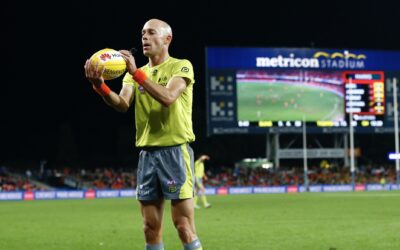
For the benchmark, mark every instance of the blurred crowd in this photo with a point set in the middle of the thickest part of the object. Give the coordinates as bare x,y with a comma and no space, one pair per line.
240,176
13,182
119,178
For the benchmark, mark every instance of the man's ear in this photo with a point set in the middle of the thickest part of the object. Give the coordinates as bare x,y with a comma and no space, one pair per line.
168,39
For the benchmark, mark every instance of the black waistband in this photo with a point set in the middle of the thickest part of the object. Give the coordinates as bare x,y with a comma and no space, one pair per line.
155,148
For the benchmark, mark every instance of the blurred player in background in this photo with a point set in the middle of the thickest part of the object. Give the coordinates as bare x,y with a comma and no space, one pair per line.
162,92
200,175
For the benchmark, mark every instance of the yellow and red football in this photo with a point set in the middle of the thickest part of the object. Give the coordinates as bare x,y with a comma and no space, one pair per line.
111,60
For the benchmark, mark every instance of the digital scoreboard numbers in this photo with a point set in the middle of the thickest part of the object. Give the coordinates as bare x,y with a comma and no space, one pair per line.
365,96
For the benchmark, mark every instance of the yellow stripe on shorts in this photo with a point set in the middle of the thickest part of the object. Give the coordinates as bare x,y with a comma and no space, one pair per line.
187,187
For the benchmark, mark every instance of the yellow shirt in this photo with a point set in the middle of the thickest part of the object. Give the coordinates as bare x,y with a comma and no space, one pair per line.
157,125
199,169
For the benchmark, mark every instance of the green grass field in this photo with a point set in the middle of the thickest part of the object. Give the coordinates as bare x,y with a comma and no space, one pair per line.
331,221
283,102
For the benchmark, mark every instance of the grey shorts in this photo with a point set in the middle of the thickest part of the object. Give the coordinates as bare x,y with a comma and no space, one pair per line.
165,172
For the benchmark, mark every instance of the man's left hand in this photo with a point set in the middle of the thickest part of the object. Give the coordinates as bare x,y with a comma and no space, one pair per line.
130,61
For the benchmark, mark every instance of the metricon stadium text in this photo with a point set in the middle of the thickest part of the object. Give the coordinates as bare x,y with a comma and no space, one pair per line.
301,62
287,62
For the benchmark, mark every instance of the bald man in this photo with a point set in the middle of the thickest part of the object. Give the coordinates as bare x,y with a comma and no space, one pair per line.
162,92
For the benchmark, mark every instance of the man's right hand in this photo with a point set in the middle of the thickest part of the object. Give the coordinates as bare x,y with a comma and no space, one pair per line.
94,73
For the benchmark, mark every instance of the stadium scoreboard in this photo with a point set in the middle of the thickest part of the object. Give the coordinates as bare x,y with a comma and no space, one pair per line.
269,90
364,92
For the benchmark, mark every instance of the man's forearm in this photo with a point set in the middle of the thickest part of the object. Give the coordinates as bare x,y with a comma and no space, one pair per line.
160,93
116,102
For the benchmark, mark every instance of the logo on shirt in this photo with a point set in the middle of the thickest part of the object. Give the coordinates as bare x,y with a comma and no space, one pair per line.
163,81
141,89
171,186
185,69
154,72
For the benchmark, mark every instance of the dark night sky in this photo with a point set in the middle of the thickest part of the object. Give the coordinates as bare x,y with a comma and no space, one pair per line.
49,111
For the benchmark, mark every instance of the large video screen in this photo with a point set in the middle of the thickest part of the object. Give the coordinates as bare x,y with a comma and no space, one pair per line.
289,95
260,90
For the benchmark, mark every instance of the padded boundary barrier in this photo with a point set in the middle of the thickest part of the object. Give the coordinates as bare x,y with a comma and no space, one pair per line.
121,193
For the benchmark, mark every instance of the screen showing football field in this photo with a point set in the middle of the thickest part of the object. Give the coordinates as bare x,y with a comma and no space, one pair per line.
289,96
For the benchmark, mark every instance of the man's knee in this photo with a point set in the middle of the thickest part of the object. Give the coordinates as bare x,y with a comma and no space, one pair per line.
182,226
185,230
152,231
